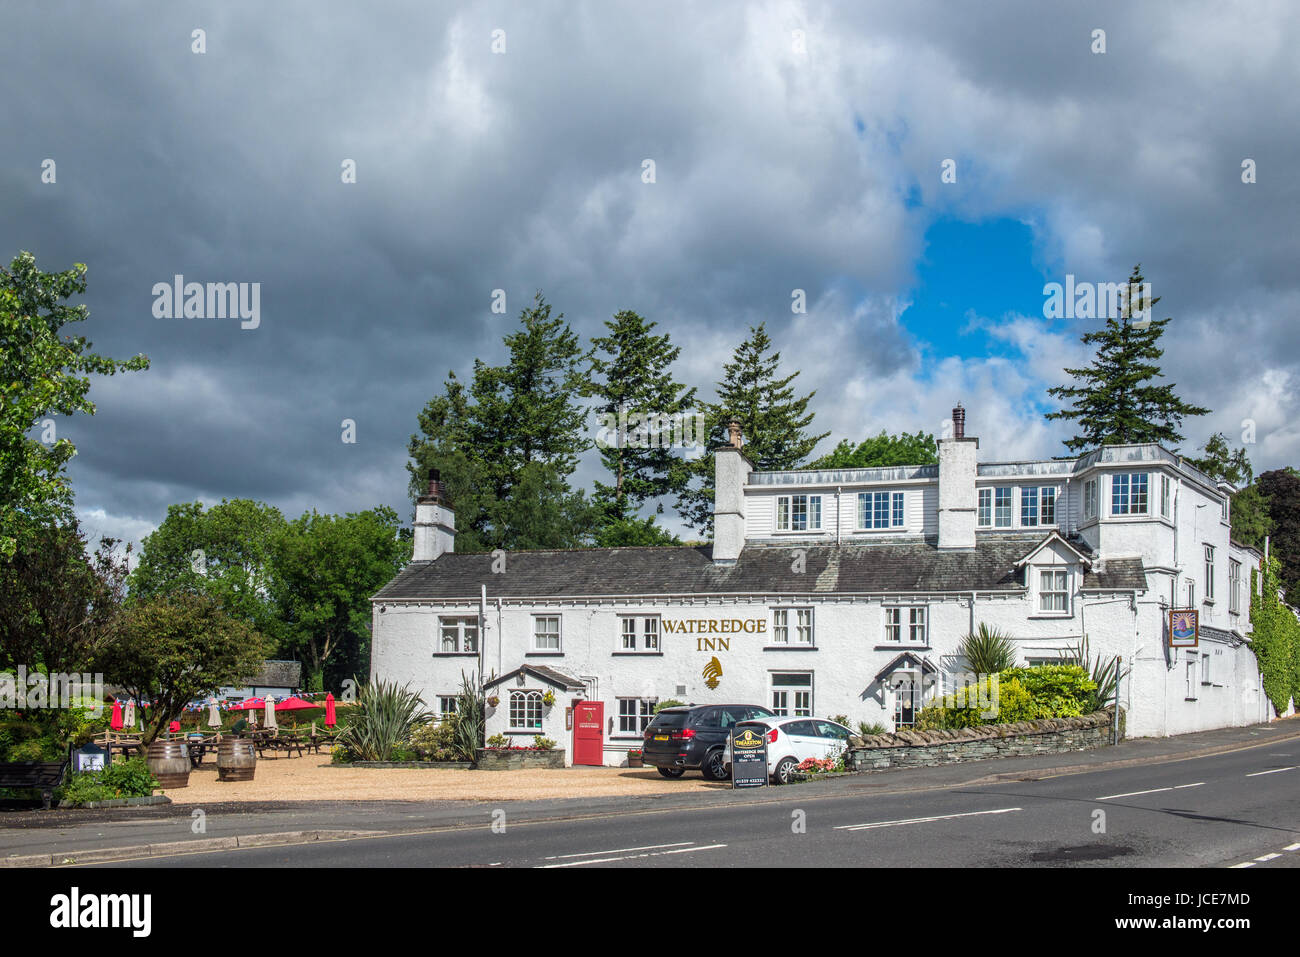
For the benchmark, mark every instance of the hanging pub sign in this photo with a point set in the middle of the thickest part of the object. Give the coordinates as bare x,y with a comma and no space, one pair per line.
748,758
1184,628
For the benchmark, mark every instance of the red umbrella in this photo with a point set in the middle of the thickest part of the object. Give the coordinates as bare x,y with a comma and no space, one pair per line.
249,704
116,721
330,718
293,703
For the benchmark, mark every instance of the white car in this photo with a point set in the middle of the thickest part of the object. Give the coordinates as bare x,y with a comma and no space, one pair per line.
791,741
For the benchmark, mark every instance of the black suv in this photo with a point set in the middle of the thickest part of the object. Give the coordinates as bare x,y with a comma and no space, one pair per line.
682,739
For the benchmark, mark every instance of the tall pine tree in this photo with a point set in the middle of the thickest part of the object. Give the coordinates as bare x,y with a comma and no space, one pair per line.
507,445
1114,400
772,419
631,383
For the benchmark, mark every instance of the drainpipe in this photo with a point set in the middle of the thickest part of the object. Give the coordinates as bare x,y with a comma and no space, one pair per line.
482,634
839,504
1114,735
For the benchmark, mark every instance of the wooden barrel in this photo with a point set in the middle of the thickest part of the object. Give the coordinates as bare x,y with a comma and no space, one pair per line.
236,759
169,762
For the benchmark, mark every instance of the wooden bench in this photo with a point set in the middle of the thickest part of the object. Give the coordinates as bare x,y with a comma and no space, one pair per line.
43,776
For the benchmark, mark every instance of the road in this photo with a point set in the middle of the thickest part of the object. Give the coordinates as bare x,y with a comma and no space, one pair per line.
1236,809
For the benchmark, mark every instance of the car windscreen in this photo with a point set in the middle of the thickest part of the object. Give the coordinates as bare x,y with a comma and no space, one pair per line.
670,719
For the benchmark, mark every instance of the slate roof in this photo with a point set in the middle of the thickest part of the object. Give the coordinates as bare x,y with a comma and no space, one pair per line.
277,674
549,675
890,568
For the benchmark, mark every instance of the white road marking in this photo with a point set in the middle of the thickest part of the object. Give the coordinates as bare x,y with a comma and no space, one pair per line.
1176,787
1292,847
617,850
1267,857
631,857
921,820
1270,771
1247,864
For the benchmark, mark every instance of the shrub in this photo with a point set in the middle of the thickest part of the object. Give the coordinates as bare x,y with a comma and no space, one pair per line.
543,744
1058,691
126,779
435,741
875,727
1105,674
668,703
383,716
988,651
498,741
468,720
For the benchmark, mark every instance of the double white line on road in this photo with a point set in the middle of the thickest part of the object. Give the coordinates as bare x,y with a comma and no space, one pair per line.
921,820
628,853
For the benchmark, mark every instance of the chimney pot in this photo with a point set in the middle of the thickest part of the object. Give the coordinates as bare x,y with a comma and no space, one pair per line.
958,422
733,434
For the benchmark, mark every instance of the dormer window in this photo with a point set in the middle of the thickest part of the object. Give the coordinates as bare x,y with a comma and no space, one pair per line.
994,508
1037,506
798,513
1053,591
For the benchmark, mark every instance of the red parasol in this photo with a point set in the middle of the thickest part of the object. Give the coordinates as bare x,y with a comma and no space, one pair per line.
249,704
330,718
293,703
116,721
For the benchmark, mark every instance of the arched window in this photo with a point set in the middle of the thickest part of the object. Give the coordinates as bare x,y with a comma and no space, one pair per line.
525,711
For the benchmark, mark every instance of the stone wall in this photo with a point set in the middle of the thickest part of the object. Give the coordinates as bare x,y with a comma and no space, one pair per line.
913,749
498,759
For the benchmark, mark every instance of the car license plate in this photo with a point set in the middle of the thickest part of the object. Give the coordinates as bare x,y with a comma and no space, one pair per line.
661,737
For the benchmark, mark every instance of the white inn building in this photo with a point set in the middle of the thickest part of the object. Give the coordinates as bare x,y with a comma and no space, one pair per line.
842,592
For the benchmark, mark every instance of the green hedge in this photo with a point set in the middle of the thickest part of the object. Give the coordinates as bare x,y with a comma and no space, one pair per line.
1023,694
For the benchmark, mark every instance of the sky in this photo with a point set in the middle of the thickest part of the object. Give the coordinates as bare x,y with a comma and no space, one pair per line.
503,146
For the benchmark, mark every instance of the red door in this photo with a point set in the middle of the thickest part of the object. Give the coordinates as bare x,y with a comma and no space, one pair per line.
589,733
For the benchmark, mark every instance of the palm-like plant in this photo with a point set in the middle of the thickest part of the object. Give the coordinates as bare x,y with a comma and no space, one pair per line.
383,717
988,651
469,719
1105,672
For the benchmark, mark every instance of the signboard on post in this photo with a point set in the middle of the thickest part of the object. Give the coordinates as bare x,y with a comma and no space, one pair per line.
748,758
1184,628
90,758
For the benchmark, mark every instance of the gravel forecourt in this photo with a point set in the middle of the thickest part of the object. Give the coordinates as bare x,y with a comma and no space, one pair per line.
311,778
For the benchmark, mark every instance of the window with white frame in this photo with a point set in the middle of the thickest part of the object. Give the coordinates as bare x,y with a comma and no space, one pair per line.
635,714
880,510
458,635
1054,591
1209,573
1225,508
792,623
1090,498
1128,493
792,693
446,705
546,633
905,625
1234,586
1029,506
1205,670
1037,506
1166,491
525,711
798,513
994,507
1002,508
780,626
639,633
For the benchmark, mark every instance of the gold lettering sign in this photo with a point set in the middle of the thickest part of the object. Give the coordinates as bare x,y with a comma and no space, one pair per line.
716,626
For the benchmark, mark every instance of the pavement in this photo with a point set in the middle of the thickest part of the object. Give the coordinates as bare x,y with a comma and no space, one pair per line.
1237,785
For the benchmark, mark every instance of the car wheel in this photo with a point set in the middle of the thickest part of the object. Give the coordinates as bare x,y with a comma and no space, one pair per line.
713,768
784,770
671,772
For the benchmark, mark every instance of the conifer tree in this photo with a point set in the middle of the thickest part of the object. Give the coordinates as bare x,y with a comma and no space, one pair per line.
637,394
772,420
1115,400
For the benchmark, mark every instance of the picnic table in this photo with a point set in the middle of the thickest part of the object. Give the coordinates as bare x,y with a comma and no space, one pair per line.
127,745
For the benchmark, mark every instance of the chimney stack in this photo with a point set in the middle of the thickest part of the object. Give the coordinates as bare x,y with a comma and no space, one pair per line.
957,469
435,522
730,471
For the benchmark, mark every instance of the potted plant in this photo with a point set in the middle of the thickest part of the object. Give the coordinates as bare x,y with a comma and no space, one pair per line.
493,701
634,758
548,698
